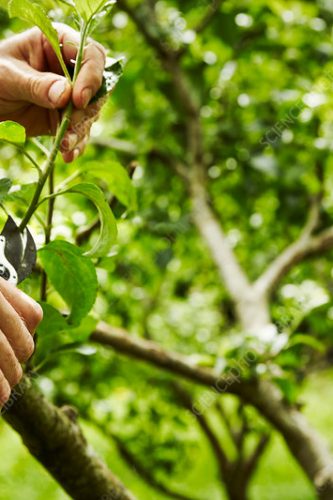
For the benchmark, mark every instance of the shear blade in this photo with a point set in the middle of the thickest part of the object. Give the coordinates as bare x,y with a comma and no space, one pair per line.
20,249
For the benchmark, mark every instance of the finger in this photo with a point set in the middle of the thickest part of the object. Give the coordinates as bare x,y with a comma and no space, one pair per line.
15,330
90,77
9,364
70,156
77,130
80,126
82,120
5,390
26,308
44,89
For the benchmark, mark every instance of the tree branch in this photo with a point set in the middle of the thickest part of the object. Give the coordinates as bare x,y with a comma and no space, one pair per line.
305,246
144,473
209,227
212,233
57,442
251,463
208,16
151,352
227,424
119,145
305,444
221,457
143,18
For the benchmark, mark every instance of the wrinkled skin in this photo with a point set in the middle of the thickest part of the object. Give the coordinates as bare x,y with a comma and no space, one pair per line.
34,93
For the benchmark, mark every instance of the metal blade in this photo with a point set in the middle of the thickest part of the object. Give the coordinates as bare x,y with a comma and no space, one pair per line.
20,249
29,258
14,243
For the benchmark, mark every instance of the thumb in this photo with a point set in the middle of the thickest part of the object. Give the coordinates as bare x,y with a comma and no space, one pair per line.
47,90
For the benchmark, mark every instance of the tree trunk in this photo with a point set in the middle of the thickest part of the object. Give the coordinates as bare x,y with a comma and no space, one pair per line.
236,491
57,442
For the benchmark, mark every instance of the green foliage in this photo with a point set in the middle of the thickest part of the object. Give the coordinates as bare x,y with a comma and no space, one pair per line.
5,185
34,15
112,74
73,276
312,342
87,9
56,333
12,132
116,179
250,69
108,232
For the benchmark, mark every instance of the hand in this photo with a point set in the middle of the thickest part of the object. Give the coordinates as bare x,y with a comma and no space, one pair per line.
33,91
19,318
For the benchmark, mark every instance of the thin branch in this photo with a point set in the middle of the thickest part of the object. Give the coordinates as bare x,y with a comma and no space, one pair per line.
144,473
175,164
208,17
251,464
241,434
305,246
221,457
115,144
225,420
145,25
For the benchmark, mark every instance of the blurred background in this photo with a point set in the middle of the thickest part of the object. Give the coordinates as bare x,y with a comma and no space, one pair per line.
262,74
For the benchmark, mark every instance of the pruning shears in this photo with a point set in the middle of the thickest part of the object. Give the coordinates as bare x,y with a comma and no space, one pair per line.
18,253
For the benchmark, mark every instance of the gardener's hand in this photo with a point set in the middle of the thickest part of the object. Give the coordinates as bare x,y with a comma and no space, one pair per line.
19,318
33,91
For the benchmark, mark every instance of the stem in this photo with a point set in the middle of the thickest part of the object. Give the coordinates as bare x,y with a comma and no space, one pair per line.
26,154
49,167
40,146
48,231
32,160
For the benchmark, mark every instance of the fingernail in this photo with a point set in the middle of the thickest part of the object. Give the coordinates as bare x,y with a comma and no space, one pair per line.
76,154
86,96
72,140
57,90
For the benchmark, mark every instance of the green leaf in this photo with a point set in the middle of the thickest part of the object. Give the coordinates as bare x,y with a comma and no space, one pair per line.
50,336
114,70
21,194
54,332
73,276
5,185
82,332
87,9
301,339
52,323
288,388
12,132
108,232
34,15
117,179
